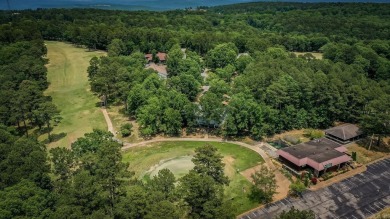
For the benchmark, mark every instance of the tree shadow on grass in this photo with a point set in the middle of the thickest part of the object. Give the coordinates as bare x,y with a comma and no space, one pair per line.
55,137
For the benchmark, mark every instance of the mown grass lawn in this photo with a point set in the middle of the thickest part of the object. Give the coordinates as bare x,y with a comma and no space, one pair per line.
236,158
70,90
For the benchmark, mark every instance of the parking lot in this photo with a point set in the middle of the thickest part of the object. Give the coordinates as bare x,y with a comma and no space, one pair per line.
357,197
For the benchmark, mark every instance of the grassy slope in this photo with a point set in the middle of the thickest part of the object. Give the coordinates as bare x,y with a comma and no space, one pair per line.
142,158
67,74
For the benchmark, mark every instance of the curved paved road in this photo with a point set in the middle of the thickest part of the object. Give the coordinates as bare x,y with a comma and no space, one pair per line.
127,145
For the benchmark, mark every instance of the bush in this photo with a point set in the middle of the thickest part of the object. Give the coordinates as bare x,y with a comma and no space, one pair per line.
297,188
314,180
327,176
314,134
125,132
126,129
292,139
296,214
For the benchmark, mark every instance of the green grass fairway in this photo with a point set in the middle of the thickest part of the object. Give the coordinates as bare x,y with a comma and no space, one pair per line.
69,87
144,161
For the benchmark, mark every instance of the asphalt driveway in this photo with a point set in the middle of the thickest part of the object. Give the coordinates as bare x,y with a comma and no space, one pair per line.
357,197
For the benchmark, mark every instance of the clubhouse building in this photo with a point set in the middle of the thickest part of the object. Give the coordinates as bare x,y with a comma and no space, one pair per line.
321,155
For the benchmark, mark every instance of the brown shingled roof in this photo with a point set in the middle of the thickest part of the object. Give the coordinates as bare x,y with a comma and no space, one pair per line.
161,56
314,147
149,57
344,132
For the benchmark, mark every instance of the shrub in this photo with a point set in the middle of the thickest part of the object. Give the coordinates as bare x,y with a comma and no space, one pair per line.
125,132
314,134
292,139
126,129
297,188
327,176
314,180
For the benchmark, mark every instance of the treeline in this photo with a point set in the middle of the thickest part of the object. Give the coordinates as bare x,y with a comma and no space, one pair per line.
252,27
213,39
23,79
91,181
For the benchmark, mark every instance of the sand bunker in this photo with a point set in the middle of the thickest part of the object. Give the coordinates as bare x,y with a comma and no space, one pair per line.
179,166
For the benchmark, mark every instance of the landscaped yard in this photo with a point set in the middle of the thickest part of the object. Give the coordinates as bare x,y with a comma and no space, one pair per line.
169,154
69,88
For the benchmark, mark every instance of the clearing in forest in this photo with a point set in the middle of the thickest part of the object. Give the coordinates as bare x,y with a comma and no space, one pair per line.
70,90
145,161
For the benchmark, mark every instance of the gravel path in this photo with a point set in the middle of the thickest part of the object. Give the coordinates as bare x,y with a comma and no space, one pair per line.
110,127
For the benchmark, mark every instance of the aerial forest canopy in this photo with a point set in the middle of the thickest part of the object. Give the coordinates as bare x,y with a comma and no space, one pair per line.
257,86
262,79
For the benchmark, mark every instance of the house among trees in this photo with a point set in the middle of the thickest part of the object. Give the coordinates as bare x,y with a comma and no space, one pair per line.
324,154
149,57
162,56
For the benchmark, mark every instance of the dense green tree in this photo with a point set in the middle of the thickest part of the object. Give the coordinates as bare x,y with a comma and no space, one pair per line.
48,113
174,56
116,48
296,214
376,120
172,121
164,182
162,209
90,142
222,55
63,162
225,73
264,185
185,84
16,163
202,194
25,200
211,109
208,162
242,61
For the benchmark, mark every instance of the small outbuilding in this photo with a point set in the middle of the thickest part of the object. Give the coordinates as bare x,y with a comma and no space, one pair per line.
344,133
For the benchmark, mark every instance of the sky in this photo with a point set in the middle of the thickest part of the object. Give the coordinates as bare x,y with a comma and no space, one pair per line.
136,4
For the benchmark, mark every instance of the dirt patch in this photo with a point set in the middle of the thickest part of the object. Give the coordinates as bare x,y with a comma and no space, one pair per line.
365,156
158,67
229,167
179,166
248,172
283,186
281,181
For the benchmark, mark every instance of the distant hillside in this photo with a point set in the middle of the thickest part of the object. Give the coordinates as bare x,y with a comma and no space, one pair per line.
132,5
